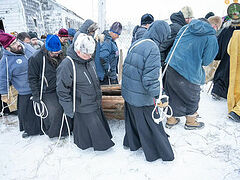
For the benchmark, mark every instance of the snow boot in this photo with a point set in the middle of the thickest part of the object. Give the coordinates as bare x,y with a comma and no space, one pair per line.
172,121
192,124
25,135
233,116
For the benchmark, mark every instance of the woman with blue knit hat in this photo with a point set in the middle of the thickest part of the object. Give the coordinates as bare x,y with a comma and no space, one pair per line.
109,55
42,68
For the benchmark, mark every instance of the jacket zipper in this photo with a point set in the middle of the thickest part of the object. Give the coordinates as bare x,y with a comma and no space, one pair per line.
87,77
95,72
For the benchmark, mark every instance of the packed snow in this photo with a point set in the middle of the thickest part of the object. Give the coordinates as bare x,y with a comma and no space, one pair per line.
211,153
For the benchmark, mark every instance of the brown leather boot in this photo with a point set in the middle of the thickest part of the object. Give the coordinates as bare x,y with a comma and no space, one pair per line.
191,123
172,121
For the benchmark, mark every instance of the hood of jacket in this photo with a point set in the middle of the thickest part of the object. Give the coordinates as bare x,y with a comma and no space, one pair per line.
158,32
199,28
83,28
178,18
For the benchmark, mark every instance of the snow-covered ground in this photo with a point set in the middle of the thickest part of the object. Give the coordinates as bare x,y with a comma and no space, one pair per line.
212,153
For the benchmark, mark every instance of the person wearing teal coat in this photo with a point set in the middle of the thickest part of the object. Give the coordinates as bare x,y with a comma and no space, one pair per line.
197,47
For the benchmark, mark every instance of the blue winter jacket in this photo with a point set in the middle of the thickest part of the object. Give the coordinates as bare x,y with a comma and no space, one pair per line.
17,70
98,64
197,47
141,67
109,56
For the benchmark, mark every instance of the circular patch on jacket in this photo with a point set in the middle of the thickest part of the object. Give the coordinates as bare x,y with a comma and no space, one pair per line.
19,61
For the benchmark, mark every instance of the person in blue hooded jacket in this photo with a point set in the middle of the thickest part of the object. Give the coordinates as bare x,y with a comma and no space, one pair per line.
14,70
197,47
109,55
140,85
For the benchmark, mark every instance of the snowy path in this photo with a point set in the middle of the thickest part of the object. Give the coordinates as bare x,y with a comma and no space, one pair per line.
212,153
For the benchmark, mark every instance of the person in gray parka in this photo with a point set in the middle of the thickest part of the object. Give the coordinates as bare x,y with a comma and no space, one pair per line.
90,127
140,86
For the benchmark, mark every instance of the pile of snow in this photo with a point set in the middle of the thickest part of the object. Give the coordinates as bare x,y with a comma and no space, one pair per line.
211,153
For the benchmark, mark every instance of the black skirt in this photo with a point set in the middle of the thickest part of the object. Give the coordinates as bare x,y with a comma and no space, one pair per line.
92,130
28,121
142,131
184,96
52,123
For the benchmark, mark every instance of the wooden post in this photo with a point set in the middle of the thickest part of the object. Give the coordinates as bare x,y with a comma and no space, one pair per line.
120,64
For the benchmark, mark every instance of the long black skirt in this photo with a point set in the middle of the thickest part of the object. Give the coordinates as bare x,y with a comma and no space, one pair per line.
142,131
28,121
184,96
92,130
53,122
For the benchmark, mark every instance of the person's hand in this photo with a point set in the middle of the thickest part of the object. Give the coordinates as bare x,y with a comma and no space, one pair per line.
163,102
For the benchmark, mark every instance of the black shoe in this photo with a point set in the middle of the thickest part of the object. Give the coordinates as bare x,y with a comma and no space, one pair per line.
215,96
6,114
14,113
233,116
25,135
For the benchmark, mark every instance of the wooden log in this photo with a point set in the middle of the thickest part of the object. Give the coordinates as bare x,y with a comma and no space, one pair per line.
113,107
111,89
112,102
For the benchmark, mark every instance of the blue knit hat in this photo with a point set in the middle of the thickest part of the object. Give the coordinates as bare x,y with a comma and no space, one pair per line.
53,43
71,32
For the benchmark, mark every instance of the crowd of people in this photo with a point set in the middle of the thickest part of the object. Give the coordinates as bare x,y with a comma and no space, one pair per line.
60,75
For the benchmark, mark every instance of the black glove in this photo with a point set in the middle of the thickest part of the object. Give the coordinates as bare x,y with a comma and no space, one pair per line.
35,99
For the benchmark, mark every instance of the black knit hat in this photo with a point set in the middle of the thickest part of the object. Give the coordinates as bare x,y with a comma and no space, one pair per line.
208,15
147,19
33,34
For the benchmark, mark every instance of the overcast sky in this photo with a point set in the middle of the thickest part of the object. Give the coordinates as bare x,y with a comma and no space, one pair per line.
132,10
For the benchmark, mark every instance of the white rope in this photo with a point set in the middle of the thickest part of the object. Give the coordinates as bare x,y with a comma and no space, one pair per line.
8,89
173,51
40,109
7,77
163,111
4,107
64,117
74,83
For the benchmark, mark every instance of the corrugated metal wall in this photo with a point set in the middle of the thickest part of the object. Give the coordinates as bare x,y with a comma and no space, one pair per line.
41,16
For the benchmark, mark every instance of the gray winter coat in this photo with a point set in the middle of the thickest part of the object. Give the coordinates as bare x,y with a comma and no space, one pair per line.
142,65
88,92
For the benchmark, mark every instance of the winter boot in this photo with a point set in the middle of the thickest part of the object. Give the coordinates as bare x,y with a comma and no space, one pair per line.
192,124
233,116
172,121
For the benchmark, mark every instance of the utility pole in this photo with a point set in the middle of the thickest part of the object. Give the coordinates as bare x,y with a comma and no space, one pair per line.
102,15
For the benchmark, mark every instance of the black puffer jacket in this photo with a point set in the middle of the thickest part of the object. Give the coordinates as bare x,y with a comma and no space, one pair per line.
178,22
35,65
88,92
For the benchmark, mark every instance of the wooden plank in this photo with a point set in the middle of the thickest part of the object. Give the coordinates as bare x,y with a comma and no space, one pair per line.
120,64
